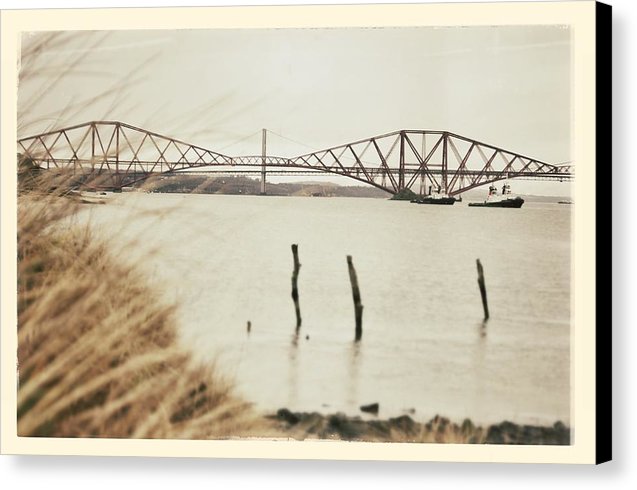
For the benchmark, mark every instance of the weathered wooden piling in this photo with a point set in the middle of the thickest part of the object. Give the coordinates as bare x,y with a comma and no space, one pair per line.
295,289
358,306
483,289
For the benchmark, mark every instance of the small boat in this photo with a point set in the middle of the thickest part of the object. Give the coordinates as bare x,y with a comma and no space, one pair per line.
436,198
88,197
504,200
565,202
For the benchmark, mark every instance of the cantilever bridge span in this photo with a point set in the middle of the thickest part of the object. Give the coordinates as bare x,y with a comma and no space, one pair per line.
119,154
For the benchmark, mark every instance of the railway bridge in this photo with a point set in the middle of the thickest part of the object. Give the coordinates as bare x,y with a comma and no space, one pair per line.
113,154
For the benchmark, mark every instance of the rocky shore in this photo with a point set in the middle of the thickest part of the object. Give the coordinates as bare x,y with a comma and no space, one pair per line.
304,425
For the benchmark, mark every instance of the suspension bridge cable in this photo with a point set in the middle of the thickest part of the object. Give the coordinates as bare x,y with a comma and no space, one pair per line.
239,140
316,150
291,140
343,156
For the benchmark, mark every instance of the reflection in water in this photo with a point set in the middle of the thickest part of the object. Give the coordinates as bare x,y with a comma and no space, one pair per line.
293,372
483,329
353,375
478,366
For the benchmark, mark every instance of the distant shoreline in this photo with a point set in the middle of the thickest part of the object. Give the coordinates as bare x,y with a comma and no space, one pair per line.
241,185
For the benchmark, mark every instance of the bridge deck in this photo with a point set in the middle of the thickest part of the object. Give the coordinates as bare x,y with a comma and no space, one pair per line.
392,161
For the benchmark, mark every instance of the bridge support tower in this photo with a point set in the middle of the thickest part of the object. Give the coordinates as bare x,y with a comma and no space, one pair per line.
263,157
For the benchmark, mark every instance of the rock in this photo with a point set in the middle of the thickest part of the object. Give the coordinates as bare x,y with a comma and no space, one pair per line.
312,423
287,416
473,440
510,433
371,408
559,426
344,427
531,435
442,424
467,427
380,428
562,433
404,423
494,435
341,426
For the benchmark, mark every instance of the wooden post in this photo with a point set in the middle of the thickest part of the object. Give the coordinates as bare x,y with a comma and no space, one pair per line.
358,307
295,290
483,290
249,326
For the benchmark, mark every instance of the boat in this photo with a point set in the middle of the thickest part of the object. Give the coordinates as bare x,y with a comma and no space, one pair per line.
89,197
565,202
504,200
435,198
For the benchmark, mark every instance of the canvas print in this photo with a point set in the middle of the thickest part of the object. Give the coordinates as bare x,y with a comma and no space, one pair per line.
296,234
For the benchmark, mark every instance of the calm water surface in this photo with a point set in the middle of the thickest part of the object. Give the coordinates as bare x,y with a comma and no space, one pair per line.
227,260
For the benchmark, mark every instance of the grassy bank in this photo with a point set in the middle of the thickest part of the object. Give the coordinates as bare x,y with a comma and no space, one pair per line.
98,352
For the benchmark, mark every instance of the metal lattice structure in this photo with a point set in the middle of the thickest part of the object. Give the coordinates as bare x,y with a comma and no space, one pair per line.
123,154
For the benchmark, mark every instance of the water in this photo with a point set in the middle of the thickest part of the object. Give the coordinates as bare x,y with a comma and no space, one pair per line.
227,260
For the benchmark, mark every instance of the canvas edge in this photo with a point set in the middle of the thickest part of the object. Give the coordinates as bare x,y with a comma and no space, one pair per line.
603,231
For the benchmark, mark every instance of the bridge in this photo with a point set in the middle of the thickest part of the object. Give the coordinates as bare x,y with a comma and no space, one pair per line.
118,154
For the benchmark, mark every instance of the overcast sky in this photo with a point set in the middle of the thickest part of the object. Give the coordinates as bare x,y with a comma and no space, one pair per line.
508,86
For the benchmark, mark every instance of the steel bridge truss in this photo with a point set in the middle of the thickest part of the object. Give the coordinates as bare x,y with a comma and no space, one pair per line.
433,160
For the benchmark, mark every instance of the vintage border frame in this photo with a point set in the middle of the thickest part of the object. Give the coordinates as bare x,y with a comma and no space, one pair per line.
588,357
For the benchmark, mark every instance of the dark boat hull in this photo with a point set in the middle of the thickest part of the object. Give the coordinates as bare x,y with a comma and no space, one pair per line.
439,200
506,203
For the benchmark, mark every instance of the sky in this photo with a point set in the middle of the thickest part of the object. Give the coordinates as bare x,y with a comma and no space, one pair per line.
311,88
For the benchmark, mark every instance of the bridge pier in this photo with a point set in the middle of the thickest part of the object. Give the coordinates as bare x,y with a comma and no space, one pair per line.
263,157
423,187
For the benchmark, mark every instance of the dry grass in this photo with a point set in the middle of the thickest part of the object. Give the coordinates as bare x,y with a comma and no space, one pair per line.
98,352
